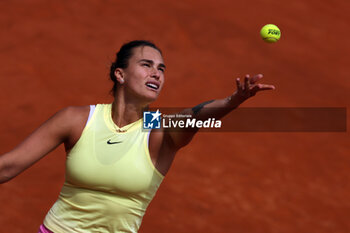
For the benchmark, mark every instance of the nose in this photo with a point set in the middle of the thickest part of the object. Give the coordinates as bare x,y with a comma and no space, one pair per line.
155,73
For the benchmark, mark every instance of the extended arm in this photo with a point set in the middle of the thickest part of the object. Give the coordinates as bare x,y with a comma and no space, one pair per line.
47,137
219,108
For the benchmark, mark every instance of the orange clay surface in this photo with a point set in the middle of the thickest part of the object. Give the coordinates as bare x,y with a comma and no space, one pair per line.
57,53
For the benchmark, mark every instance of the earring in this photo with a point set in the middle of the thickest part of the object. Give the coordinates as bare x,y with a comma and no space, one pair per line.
121,80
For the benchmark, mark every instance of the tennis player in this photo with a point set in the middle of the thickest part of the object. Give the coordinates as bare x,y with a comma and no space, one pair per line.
113,167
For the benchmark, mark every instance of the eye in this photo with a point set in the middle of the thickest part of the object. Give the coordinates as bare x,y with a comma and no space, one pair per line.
146,65
161,69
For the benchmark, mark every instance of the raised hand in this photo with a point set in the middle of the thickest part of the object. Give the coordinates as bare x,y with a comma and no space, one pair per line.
250,87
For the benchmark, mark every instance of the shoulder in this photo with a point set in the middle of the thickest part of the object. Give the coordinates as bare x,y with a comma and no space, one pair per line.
72,116
75,112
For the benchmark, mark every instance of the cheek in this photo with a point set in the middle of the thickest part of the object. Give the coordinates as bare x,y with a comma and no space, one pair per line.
136,78
136,84
162,85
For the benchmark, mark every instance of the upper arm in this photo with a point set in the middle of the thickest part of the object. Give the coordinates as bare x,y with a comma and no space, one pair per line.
209,109
48,136
180,137
164,144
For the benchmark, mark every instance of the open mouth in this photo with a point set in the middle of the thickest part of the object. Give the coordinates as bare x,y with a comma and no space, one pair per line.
152,85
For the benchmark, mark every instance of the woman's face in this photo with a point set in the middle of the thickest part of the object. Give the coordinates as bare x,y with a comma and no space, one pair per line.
144,76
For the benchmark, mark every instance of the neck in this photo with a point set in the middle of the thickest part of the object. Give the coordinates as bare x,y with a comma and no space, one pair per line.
126,111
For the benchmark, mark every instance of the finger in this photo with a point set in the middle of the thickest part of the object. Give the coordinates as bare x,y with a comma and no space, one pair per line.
238,84
256,78
246,82
263,87
266,87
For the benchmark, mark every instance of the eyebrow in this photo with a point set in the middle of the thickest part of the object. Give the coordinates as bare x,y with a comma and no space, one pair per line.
151,62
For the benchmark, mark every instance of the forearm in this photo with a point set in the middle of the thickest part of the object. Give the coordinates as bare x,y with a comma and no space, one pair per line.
216,108
210,109
219,108
4,171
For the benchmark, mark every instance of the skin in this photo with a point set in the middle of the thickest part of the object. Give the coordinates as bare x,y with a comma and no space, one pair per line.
131,97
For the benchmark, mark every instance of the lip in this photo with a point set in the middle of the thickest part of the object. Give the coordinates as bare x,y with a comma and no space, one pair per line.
154,83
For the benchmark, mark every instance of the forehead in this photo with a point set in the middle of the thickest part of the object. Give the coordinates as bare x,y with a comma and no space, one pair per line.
146,52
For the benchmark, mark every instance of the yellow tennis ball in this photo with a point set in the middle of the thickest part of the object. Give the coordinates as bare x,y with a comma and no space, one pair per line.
270,33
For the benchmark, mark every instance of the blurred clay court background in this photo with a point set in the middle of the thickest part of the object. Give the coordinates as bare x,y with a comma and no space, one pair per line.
57,53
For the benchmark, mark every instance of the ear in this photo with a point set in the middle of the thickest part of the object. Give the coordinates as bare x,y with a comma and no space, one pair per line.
119,74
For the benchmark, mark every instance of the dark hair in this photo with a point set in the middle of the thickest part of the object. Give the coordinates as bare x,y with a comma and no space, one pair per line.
123,56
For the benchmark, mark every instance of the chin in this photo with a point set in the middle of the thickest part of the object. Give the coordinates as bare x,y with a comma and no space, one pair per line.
151,98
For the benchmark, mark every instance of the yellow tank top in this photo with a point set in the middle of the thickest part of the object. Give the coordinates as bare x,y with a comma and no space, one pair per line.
109,181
